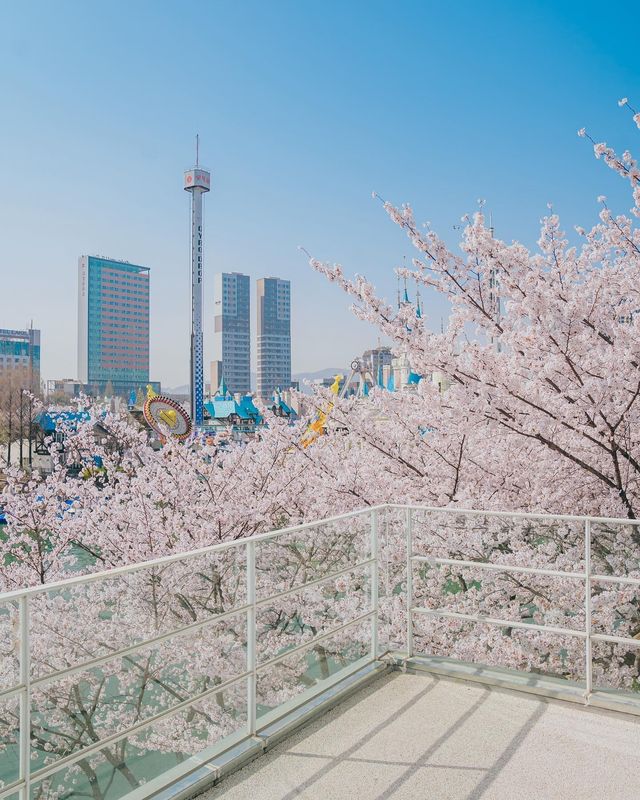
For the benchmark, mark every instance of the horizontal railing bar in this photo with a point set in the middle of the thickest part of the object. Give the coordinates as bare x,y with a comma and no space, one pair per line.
134,648
306,645
522,514
605,637
66,761
10,788
316,582
501,567
183,556
222,546
614,579
7,694
96,662
502,623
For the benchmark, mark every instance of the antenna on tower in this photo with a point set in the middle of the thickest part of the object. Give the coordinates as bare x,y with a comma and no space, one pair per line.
491,223
197,149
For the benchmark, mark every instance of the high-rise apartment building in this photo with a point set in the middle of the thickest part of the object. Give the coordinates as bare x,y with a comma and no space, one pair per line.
20,353
232,332
273,301
113,324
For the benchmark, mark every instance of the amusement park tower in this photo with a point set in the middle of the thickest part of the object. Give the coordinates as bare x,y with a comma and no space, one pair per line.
197,181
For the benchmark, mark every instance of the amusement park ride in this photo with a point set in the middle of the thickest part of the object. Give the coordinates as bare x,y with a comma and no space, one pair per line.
163,414
318,426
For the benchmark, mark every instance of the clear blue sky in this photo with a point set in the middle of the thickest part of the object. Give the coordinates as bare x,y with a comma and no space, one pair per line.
303,109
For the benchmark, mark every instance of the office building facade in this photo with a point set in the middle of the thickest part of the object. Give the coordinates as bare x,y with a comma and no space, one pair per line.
273,301
232,332
20,354
113,325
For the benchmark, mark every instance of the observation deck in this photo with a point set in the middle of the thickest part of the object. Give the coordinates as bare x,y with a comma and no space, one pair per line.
396,652
416,736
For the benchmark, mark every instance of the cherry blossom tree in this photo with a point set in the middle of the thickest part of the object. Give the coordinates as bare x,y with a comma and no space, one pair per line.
542,356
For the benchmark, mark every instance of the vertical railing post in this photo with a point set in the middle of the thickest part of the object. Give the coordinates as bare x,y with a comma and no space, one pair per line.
587,610
251,638
25,698
409,536
374,584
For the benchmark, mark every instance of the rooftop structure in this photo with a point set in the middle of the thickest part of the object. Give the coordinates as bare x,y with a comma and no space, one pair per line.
280,404
235,412
64,387
173,680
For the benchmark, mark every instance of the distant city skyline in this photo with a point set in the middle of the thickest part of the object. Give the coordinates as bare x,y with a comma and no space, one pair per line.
421,103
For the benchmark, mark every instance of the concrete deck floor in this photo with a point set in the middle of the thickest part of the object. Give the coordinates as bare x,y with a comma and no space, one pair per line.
420,737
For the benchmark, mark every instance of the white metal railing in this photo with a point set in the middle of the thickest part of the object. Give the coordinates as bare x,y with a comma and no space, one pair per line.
368,543
30,776
585,575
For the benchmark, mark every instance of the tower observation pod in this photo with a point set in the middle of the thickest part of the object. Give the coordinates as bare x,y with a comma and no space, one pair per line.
197,181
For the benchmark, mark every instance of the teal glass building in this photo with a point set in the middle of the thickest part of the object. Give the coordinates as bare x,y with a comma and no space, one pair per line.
113,325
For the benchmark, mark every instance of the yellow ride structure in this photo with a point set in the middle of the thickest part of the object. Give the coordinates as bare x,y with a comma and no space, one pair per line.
319,425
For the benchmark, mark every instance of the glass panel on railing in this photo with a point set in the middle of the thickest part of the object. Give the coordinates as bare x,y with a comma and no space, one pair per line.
120,767
297,618
307,670
9,645
616,666
615,609
392,579
9,741
549,655
517,541
296,558
514,596
615,549
525,541
74,712
72,626
615,606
